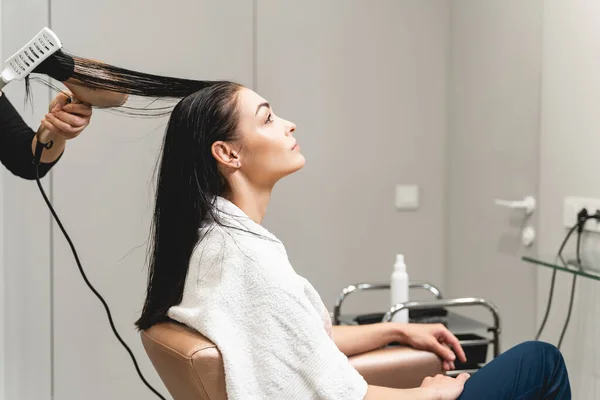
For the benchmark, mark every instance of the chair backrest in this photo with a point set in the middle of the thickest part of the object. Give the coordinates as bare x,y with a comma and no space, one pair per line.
191,366
188,363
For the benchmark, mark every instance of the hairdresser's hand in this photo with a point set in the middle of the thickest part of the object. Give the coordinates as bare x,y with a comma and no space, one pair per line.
67,120
435,338
444,387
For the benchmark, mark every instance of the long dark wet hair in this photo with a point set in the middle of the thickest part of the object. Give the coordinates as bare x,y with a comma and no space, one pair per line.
188,176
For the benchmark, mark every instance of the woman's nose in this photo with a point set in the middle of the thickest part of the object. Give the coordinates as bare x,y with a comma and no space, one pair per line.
290,128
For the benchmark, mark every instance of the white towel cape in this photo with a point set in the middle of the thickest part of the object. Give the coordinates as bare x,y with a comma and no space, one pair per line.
270,325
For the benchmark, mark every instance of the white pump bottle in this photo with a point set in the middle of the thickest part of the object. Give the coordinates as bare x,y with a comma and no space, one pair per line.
399,288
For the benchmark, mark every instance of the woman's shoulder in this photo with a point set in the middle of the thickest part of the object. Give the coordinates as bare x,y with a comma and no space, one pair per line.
216,243
245,252
221,239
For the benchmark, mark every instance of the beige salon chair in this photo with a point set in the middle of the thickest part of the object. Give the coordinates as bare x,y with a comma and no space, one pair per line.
191,367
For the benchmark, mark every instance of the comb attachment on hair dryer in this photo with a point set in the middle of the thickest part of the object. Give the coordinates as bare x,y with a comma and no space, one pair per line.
23,62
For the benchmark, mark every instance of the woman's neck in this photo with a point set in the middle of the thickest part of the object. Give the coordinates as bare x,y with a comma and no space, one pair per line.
252,201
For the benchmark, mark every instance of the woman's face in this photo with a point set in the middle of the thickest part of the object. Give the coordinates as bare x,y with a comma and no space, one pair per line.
269,150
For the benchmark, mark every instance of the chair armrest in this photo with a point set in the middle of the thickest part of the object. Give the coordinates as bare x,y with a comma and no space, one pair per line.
397,367
459,302
362,287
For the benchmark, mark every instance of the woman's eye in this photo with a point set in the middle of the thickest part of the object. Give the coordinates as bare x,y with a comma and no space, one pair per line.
269,119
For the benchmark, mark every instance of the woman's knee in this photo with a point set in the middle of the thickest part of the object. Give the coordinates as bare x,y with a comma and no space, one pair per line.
538,346
541,352
548,361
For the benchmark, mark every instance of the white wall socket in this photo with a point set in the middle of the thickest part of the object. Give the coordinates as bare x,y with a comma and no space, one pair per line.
574,204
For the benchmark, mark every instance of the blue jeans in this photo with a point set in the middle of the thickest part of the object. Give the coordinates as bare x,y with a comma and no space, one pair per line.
531,370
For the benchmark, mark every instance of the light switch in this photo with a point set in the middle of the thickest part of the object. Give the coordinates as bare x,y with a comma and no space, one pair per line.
407,197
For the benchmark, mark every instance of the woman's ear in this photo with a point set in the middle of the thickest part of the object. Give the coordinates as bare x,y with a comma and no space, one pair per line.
225,154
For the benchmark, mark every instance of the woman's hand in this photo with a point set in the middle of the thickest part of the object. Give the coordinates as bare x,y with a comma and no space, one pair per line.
67,120
444,387
435,338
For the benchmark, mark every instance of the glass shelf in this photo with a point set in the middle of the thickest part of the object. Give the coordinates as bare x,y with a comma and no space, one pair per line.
589,267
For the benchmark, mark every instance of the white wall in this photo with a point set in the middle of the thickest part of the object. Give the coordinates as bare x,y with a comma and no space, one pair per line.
569,167
494,104
366,87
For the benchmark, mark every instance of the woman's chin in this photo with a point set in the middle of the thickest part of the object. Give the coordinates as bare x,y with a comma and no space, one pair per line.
296,165
299,162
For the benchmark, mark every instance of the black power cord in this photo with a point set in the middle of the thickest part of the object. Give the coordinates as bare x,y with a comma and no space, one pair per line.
553,283
38,155
582,218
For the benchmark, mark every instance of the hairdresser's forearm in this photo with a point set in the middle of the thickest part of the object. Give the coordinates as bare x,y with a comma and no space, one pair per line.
357,339
52,154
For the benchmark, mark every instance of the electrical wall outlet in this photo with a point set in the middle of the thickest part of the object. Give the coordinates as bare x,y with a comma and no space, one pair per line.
573,205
